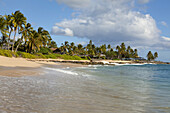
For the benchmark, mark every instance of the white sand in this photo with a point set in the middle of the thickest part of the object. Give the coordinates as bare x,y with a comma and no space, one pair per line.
17,62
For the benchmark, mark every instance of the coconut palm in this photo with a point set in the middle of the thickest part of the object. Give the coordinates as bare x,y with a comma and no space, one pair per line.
3,26
53,44
155,55
109,47
118,51
136,53
18,20
80,47
25,34
150,56
122,50
33,42
9,26
44,37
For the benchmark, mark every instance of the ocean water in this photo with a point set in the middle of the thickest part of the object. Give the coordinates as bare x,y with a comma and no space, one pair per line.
92,89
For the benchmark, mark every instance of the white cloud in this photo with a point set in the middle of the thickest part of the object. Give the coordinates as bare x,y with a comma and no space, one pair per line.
112,21
166,38
61,31
164,23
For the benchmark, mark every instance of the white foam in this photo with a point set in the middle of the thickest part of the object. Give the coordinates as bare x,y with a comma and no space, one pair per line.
127,64
62,71
105,62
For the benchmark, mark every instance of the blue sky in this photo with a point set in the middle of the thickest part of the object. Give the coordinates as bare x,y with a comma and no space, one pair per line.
143,24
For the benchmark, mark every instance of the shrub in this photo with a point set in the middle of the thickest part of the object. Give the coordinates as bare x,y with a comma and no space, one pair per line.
6,53
68,57
44,50
1,53
116,59
40,55
50,56
26,55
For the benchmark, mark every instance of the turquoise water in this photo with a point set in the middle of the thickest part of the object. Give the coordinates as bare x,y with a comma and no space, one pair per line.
92,89
146,87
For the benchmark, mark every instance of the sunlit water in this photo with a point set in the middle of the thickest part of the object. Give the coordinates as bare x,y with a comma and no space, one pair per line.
93,89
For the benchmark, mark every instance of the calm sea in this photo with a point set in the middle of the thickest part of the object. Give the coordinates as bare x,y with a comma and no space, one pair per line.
92,89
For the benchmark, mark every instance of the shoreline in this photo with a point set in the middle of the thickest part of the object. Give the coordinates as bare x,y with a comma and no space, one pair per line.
96,62
17,67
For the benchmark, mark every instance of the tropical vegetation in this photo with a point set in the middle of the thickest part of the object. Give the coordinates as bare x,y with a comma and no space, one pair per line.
19,38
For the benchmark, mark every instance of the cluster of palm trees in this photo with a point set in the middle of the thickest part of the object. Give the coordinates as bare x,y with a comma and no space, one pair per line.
103,50
151,56
28,38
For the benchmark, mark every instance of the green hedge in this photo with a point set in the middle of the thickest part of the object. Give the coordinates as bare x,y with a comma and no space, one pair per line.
9,53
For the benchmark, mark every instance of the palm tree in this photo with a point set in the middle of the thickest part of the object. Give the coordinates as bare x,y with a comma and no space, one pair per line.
103,49
118,51
53,44
80,47
155,55
3,26
33,42
122,50
44,37
25,34
9,25
150,56
72,44
18,20
109,47
136,53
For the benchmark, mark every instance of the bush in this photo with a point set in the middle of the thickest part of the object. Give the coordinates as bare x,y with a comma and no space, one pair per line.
40,55
6,53
9,53
116,59
50,56
1,53
26,55
44,50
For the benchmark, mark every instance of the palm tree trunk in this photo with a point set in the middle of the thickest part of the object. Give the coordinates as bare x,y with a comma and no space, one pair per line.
13,41
18,44
9,38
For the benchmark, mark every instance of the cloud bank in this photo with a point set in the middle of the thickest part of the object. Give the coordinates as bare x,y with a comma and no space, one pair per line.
111,21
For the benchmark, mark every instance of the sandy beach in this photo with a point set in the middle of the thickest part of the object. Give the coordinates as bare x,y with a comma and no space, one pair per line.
17,67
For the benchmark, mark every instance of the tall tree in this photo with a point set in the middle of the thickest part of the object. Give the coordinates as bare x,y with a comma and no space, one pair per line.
53,44
44,37
109,47
33,43
18,20
136,53
155,55
3,27
26,32
150,56
10,26
118,51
